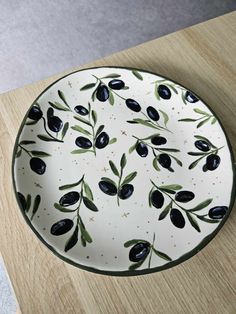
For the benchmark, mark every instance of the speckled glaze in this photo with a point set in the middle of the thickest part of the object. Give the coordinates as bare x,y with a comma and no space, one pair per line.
122,172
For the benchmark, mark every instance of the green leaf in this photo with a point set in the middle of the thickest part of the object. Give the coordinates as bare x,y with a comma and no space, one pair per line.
156,92
155,164
193,221
199,137
203,122
81,130
64,130
28,203
112,141
18,154
63,209
108,180
113,168
111,98
201,112
58,106
27,142
137,265
150,196
81,151
87,86
112,75
172,150
132,148
145,122
88,191
187,120
31,122
183,98
211,221
69,186
193,164
177,160
123,161
45,138
172,87
174,187
125,88
213,121
167,190
132,242
62,96
37,201
94,116
202,205
165,211
71,242
99,130
137,74
196,154
89,204
38,153
86,236
94,93
162,255
82,120
165,117
132,122
129,177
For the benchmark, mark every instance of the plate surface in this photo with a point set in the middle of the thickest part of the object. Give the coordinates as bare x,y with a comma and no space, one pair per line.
122,172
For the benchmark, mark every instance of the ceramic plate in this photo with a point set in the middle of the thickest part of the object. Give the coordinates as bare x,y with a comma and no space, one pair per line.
122,171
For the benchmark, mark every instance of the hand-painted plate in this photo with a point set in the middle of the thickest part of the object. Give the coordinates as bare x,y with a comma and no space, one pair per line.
122,171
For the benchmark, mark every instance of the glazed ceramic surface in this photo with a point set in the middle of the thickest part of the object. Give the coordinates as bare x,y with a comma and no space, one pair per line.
121,171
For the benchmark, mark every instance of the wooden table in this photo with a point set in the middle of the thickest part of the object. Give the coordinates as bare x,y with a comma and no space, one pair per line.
202,58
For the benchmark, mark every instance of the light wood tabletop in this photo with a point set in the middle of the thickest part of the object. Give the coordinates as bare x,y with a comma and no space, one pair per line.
202,58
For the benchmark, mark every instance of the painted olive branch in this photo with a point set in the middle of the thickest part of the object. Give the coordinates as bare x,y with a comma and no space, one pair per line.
50,135
154,123
204,118
150,257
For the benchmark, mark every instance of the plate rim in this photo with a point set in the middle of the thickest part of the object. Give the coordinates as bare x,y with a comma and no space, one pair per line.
125,273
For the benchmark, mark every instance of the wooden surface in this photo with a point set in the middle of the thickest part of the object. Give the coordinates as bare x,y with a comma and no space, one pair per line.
203,59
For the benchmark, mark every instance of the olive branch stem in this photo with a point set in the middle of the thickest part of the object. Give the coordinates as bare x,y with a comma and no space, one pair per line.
53,137
25,150
110,89
156,125
150,257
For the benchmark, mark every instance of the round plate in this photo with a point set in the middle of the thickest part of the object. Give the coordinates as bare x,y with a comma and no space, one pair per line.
122,172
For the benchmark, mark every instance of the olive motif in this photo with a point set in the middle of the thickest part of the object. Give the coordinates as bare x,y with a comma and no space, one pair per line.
164,160
133,105
37,165
61,227
158,140
184,196
126,191
157,199
202,145
108,188
152,113
81,110
22,200
83,142
69,199
177,218
102,140
164,91
142,149
190,97
35,113
212,162
217,212
116,84
102,93
55,124
139,251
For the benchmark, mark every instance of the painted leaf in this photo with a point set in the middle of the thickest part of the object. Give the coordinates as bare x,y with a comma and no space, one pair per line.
155,92
132,148
162,255
132,122
69,186
193,221
82,120
196,154
171,150
71,242
155,164
193,164
58,106
31,122
37,201
63,209
125,88
202,205
146,123
123,161
201,112
213,121
81,151
173,88
129,177
183,98
28,202
88,191
212,221
38,153
203,122
177,160
89,204
165,117
174,187
64,130
149,197
27,142
111,98
108,180
137,74
167,190
85,234
165,211
87,86
94,94
80,129
112,141
62,96
187,120
99,130
137,265
45,138
94,116
18,154
132,242
113,168
112,75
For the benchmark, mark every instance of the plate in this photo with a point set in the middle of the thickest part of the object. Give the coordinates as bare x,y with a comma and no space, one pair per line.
122,172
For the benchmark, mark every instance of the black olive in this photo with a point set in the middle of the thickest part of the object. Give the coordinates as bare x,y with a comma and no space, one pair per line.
190,97
37,165
158,140
108,188
164,160
184,196
142,149
212,162
217,212
139,251
102,93
69,199
177,218
81,110
35,113
133,105
157,199
50,112
116,84
152,113
22,200
55,124
202,145
62,226
126,191
102,140
83,142
164,91
204,168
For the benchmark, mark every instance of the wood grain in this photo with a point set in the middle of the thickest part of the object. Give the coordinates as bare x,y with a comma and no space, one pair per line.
201,58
